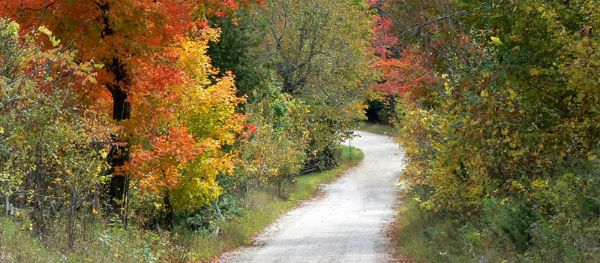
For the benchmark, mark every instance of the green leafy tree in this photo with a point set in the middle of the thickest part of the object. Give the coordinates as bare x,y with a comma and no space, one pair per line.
238,51
321,54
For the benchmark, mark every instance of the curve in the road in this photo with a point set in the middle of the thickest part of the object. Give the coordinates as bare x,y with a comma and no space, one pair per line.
347,224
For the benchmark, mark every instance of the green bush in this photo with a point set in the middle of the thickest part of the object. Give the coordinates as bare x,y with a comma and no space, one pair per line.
506,141
52,152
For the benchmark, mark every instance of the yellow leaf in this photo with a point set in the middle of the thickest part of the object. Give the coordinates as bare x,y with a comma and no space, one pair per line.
535,72
44,30
496,41
539,183
484,93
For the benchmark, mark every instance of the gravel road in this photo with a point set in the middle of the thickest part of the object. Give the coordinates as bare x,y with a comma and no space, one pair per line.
347,224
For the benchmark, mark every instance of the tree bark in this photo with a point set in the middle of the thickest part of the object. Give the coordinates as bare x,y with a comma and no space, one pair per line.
168,211
119,152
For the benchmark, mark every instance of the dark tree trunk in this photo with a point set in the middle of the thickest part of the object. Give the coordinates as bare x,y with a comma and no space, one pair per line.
168,211
119,152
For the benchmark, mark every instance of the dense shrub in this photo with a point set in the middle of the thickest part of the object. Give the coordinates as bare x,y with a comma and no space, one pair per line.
507,141
52,151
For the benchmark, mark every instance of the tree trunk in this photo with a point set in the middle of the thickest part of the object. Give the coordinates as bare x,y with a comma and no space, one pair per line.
168,211
71,220
119,152
38,217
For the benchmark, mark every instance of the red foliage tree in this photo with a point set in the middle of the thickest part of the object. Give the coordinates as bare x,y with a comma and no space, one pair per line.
401,71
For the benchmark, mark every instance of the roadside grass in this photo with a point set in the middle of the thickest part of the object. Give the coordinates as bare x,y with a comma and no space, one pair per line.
421,237
100,244
115,244
377,128
428,237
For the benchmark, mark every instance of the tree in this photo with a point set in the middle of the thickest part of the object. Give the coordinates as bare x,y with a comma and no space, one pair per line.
131,38
195,120
320,52
238,50
274,150
403,66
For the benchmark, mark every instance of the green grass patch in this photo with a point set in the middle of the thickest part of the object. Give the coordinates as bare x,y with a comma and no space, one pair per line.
376,128
16,245
424,237
115,244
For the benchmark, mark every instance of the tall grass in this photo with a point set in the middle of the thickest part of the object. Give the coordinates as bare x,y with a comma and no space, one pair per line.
116,244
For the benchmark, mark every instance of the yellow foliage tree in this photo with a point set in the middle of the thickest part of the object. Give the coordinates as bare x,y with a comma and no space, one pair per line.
194,118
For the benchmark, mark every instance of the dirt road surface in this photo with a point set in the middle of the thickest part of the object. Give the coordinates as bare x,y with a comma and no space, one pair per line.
347,224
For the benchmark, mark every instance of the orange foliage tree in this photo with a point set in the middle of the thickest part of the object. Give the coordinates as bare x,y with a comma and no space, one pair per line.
154,66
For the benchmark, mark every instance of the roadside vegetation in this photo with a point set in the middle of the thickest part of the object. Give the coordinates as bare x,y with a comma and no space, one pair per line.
497,105
103,243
